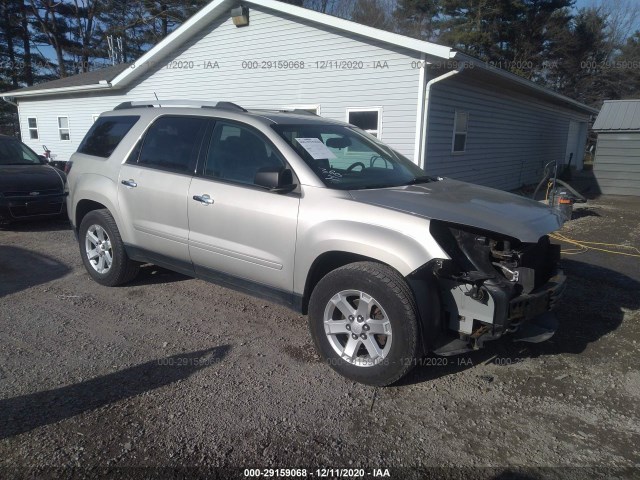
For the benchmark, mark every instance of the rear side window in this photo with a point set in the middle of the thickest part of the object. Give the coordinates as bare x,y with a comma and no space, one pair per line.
172,143
106,134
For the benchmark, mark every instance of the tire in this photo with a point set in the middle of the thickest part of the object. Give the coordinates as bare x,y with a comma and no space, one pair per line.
389,309
102,250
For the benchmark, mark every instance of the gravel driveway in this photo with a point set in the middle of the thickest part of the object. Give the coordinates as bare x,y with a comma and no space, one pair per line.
175,372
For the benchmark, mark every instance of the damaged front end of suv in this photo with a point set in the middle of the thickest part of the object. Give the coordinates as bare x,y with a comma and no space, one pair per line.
493,284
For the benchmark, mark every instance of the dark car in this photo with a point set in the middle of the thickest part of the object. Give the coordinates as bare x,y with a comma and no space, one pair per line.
29,187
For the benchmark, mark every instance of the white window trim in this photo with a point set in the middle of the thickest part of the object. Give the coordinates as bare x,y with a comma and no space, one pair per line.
94,117
37,129
309,106
60,128
378,132
455,132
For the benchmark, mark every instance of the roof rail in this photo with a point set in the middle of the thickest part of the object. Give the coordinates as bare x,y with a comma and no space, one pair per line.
180,103
301,111
298,111
226,106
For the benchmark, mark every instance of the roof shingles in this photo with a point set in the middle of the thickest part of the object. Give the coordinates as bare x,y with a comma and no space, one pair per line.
89,78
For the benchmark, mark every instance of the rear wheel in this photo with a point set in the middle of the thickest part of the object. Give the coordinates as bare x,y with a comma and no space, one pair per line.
102,250
364,322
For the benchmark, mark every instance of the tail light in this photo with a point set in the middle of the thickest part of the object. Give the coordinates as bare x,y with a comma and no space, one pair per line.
67,167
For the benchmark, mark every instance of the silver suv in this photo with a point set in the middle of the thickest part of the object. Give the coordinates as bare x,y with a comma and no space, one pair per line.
388,262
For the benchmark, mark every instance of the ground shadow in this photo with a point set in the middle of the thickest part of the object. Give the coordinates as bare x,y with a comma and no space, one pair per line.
54,224
24,413
154,275
21,269
592,306
586,183
584,212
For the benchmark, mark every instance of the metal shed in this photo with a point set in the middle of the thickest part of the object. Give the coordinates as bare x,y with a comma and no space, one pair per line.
617,162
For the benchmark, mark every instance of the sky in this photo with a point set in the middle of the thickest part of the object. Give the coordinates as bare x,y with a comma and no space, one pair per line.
48,51
632,3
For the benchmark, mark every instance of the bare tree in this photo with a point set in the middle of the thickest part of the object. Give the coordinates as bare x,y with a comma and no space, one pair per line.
45,13
374,13
623,19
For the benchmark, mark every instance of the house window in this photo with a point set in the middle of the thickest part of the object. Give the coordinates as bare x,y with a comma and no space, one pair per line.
33,128
368,119
460,126
63,128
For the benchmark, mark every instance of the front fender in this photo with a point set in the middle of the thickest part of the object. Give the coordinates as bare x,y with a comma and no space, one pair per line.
398,249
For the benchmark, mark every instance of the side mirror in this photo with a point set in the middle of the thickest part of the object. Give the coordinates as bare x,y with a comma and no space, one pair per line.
275,179
43,159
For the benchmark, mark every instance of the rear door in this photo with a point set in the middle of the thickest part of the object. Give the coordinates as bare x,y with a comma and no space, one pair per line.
153,188
241,233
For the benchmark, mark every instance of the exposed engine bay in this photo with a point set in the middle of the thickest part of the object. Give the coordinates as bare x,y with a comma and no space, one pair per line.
493,284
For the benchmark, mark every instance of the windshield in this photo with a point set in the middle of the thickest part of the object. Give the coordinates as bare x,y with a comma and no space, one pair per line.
14,152
350,159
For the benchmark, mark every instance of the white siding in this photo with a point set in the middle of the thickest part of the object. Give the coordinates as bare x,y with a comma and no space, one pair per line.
267,38
510,136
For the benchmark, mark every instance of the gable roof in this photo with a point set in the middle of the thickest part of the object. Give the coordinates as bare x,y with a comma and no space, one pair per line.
97,77
217,8
619,116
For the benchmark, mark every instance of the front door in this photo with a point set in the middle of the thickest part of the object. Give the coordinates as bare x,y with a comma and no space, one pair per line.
239,232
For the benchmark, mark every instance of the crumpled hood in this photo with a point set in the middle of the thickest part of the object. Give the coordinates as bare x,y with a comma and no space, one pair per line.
19,178
468,204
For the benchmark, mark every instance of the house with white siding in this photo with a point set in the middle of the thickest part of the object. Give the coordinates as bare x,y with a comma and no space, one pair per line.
450,113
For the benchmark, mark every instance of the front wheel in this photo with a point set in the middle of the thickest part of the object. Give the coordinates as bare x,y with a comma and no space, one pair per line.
102,250
364,323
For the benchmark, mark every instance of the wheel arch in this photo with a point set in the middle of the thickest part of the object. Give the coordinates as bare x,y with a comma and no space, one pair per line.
422,283
85,206
325,263
96,192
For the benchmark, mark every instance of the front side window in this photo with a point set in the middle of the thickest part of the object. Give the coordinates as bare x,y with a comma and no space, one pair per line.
106,134
348,158
237,153
172,143
33,128
63,128
460,126
14,152
368,120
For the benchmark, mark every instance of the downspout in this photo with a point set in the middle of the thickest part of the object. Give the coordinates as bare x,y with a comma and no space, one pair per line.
422,86
425,118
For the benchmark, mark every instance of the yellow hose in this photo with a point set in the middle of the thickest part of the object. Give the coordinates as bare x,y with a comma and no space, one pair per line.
582,246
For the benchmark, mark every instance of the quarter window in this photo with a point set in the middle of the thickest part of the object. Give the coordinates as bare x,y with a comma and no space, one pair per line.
33,128
63,128
460,127
367,119
172,143
236,154
105,135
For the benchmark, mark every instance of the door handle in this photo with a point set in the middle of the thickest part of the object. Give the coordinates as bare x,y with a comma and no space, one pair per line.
203,199
129,183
